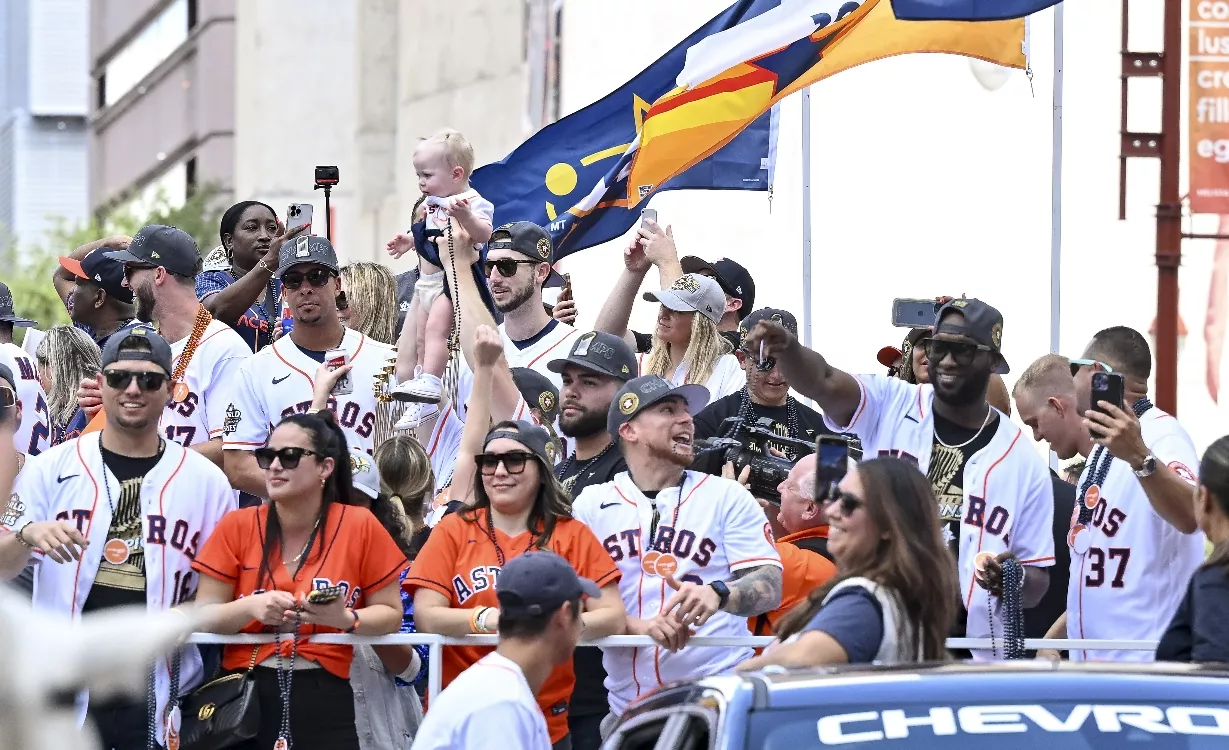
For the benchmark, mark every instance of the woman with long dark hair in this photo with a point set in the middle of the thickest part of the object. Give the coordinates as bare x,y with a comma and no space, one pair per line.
260,565
518,506
1199,630
894,595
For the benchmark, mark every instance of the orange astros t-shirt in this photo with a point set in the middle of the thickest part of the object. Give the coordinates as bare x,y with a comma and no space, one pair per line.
354,551
803,572
459,561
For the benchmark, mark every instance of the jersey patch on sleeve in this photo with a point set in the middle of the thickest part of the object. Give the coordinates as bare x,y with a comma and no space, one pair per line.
1181,470
13,511
231,423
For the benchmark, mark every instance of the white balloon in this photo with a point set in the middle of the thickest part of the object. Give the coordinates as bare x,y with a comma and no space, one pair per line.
992,77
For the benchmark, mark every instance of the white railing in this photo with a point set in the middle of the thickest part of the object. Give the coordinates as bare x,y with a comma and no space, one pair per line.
436,643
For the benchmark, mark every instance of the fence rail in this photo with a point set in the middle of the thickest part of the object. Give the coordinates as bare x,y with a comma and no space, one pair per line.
436,643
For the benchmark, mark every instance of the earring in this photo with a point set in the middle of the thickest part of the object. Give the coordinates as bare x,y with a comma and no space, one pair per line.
323,481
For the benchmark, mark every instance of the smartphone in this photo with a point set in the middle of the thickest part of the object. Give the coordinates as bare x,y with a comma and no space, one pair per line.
566,291
914,313
324,596
831,464
335,358
298,215
1107,386
647,215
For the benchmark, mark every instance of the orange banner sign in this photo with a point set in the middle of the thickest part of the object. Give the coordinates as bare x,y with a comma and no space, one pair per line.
1208,106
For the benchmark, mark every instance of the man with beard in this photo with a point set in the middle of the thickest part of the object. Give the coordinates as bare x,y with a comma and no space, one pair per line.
993,490
695,550
594,370
115,518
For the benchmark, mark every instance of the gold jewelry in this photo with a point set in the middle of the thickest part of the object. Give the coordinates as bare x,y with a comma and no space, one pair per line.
179,389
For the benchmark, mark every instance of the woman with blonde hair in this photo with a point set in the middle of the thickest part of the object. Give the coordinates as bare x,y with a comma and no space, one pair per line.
371,301
66,356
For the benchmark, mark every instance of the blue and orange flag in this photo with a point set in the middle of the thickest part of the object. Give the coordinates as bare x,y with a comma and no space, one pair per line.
967,10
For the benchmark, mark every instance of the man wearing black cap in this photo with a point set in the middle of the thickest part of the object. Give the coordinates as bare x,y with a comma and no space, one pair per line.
92,287
34,432
694,550
993,488
114,518
493,703
766,395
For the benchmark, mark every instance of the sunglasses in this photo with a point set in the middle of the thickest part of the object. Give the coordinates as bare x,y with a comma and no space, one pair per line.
848,502
961,352
317,277
8,397
514,463
507,267
146,381
288,457
1076,364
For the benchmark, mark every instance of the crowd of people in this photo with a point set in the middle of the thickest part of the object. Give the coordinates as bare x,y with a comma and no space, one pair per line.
256,434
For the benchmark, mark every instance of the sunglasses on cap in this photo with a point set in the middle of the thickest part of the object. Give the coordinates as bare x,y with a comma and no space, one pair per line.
507,267
514,462
288,457
317,277
1076,364
962,352
146,381
849,502
8,397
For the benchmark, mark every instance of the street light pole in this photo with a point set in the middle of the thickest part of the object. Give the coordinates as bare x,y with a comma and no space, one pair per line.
1169,213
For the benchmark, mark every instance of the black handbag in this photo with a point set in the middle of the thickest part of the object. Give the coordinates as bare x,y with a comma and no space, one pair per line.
222,713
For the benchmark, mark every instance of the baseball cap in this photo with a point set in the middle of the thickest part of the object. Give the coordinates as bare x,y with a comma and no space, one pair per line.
160,245
107,273
6,309
639,393
159,351
537,583
7,376
528,434
537,390
365,475
888,355
784,317
735,280
692,292
306,248
982,323
603,353
529,240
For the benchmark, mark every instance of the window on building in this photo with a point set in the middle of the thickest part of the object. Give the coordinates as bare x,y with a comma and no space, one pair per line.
168,190
543,44
146,51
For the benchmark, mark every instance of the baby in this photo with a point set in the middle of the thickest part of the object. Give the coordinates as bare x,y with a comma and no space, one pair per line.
443,162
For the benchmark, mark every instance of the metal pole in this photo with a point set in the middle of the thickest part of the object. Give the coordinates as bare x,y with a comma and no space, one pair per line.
1056,186
806,216
1169,213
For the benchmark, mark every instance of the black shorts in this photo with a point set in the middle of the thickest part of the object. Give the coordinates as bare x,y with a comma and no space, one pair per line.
321,711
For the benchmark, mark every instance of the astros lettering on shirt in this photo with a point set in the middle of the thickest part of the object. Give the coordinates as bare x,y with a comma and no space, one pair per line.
708,529
33,435
1134,574
277,382
1008,500
210,376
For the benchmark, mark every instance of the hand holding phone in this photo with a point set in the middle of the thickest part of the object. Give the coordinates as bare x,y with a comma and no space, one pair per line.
914,313
298,215
324,596
648,215
1109,387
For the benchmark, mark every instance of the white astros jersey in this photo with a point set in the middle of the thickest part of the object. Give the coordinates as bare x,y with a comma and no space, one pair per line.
555,344
210,377
1134,574
277,382
715,531
34,433
1008,497
182,499
727,377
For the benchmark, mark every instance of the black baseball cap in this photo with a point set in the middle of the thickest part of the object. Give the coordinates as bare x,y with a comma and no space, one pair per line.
6,309
159,351
735,280
639,393
538,583
159,245
107,273
7,376
603,353
528,434
982,323
306,248
537,390
784,317
529,240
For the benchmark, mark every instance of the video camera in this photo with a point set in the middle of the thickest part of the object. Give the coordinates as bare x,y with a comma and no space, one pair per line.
749,447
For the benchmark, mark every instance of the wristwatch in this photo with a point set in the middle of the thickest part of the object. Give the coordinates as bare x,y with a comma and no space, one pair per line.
1147,468
723,593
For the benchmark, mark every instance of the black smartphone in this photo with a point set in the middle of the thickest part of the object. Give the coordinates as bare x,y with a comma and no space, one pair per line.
831,464
324,596
914,313
1109,387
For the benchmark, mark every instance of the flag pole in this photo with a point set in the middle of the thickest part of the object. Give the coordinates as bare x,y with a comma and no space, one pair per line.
1056,184
806,216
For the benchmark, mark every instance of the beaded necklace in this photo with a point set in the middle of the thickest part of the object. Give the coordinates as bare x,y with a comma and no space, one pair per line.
562,470
1099,461
179,389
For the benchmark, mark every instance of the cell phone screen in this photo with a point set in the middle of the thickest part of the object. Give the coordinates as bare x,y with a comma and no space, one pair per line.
831,464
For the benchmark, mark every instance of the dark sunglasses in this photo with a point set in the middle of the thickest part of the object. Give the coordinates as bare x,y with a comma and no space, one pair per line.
288,457
1076,364
317,277
146,381
962,352
514,463
507,267
849,502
